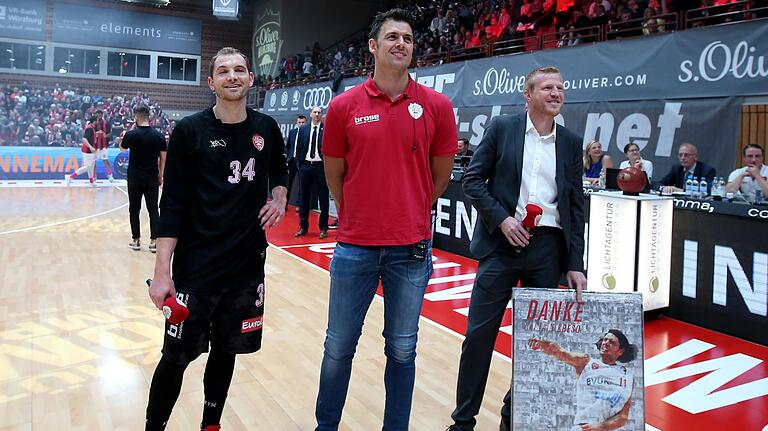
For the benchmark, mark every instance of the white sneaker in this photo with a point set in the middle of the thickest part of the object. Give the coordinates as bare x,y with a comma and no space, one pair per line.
111,179
67,179
135,244
153,246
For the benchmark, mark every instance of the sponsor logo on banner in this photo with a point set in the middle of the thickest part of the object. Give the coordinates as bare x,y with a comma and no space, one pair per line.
718,60
758,213
436,82
654,252
226,8
726,266
609,281
250,325
272,100
267,43
284,98
318,96
653,285
499,82
121,163
296,98
612,239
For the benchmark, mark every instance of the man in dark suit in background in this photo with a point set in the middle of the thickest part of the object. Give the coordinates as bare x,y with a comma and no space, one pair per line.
522,159
311,172
688,156
291,146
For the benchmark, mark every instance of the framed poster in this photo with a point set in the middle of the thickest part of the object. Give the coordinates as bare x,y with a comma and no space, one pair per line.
577,365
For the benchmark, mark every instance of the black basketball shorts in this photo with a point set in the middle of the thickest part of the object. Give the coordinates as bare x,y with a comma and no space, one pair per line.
229,319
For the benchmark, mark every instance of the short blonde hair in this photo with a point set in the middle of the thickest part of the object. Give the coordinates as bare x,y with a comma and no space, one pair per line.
538,71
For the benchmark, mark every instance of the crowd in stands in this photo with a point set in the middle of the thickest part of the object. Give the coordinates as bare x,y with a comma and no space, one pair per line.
56,116
464,25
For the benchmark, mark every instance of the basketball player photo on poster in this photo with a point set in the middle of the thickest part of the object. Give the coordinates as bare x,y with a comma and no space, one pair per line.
577,366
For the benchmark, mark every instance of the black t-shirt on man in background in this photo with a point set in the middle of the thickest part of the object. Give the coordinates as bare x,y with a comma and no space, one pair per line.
146,144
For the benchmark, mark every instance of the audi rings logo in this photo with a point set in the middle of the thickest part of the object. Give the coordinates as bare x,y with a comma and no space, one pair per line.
320,96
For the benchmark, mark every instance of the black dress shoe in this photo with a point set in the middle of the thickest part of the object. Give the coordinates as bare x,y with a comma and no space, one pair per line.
300,232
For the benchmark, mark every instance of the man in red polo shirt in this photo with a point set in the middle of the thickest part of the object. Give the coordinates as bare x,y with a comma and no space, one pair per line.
388,150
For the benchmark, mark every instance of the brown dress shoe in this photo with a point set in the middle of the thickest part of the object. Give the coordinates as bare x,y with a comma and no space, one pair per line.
300,232
323,234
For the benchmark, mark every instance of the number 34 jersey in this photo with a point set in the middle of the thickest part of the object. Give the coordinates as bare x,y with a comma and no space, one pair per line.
217,178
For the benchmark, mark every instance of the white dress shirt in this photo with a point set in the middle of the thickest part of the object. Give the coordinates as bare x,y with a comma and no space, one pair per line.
647,166
315,128
748,185
538,178
296,142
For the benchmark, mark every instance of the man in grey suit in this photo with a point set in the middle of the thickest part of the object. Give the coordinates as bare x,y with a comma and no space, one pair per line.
522,159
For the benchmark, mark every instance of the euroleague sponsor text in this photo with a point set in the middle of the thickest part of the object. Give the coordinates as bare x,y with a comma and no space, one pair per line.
250,325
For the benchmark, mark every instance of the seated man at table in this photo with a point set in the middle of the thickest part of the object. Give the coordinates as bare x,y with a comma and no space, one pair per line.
688,156
754,174
463,153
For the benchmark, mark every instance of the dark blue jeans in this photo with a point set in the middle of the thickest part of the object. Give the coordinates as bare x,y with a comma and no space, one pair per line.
355,275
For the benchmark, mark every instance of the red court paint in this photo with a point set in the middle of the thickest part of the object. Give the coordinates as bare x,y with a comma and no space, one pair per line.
696,379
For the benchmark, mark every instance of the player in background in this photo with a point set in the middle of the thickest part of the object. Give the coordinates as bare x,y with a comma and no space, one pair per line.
604,386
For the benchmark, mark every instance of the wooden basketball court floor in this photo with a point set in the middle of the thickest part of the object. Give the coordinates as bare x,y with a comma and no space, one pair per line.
79,339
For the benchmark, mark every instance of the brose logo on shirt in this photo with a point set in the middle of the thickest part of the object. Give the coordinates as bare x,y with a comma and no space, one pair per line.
367,119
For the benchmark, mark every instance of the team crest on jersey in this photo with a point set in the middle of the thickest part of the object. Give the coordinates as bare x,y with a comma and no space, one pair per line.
595,366
415,110
258,141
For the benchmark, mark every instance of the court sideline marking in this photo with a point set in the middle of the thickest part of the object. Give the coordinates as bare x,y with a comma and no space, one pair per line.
74,220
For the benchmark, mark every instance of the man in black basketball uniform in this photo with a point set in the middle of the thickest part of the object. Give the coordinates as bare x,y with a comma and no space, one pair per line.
213,212
146,163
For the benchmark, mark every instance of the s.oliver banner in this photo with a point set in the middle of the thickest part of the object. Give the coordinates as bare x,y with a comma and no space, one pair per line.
267,43
715,61
658,127
710,62
123,29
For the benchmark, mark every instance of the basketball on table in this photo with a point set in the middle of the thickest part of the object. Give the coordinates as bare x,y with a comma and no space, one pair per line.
631,180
